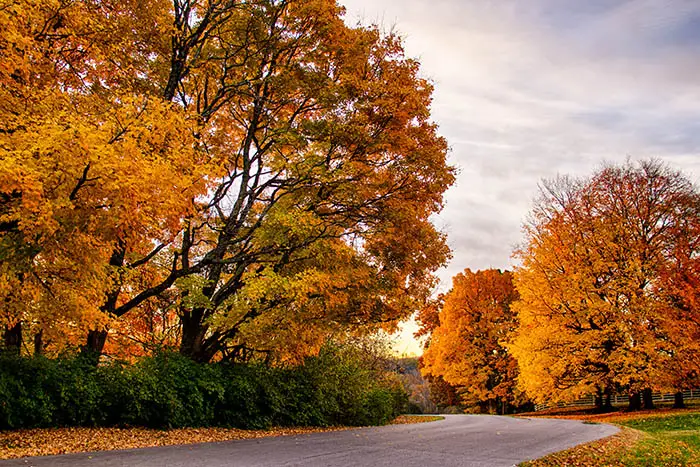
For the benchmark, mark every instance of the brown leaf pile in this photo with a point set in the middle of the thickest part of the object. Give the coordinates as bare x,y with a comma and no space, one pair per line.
50,441
405,419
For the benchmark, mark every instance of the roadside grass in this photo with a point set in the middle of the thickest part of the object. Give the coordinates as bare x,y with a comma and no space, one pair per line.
51,441
665,437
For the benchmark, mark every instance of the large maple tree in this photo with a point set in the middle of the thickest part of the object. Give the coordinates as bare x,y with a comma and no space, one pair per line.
93,161
596,314
254,164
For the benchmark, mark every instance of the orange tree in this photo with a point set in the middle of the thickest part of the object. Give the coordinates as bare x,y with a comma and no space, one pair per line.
93,161
594,315
252,164
467,349
679,285
442,393
329,171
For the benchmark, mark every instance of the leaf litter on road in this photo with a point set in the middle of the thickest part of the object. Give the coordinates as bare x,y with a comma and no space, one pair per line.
51,441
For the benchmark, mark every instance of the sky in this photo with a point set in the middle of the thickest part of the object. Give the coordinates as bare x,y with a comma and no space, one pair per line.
526,90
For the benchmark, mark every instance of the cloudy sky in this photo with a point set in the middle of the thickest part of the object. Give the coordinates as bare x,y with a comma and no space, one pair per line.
528,89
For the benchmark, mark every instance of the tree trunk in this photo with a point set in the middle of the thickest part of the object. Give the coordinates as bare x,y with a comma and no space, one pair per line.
648,401
635,401
607,404
96,338
94,345
598,401
678,402
39,343
13,338
603,400
193,333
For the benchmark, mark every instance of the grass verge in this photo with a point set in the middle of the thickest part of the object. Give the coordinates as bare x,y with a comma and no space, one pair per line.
51,441
665,437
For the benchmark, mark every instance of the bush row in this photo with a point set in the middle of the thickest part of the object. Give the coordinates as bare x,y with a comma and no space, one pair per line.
168,390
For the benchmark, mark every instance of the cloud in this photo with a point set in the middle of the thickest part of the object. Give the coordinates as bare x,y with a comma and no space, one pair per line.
526,90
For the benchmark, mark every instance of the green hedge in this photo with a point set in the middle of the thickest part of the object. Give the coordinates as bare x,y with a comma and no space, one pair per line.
168,390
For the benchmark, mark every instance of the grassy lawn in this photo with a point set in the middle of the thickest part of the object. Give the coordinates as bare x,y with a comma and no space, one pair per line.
653,438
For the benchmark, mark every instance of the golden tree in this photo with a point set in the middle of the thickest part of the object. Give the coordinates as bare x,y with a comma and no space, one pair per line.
326,151
593,316
468,347
679,286
95,168
241,159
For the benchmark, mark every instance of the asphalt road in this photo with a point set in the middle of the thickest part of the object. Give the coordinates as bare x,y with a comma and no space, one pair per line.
459,440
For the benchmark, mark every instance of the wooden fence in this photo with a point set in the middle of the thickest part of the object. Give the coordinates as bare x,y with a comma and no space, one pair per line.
621,399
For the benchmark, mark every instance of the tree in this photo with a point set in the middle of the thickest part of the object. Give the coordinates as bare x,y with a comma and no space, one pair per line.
326,148
679,287
262,136
467,348
91,161
442,393
593,315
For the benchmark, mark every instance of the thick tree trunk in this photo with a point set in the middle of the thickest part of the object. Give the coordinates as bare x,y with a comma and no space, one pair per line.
678,402
647,397
598,401
94,345
39,343
603,400
194,331
635,401
607,403
13,338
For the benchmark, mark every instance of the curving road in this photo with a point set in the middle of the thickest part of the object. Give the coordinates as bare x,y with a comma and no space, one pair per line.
459,440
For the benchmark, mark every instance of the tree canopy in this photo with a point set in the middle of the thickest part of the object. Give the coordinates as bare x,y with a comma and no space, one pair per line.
252,169
467,349
604,284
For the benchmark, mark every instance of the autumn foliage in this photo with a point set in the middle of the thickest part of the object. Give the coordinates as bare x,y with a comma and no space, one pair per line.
605,300
248,181
608,286
467,349
232,179
91,159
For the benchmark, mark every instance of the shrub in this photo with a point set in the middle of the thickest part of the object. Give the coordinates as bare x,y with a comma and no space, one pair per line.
168,390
